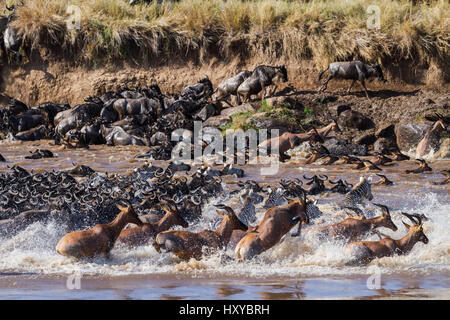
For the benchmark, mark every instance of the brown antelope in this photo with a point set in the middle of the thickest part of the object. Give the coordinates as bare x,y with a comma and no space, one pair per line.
383,181
315,154
349,160
446,173
398,156
380,160
423,167
367,165
352,228
313,157
431,138
332,126
99,240
366,251
277,221
289,141
186,244
146,232
329,159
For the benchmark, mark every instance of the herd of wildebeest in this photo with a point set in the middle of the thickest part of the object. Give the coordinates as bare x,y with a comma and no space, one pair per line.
99,209
157,199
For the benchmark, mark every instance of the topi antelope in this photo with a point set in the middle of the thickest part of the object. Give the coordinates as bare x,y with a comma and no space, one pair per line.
423,167
99,240
186,244
366,251
446,173
383,181
277,221
146,232
352,229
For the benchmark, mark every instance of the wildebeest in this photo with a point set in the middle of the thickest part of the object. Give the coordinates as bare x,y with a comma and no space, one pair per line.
199,91
78,115
431,139
352,70
11,39
262,77
231,85
116,136
117,109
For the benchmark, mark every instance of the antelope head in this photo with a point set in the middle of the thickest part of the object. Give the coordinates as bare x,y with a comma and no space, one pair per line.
416,230
387,221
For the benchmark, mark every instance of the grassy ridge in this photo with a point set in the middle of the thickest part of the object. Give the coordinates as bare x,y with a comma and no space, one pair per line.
324,31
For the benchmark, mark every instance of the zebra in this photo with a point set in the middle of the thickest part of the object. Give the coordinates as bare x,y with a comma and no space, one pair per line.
312,210
356,195
276,198
248,212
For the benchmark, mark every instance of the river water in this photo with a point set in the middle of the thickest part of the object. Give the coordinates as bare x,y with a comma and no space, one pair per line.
296,268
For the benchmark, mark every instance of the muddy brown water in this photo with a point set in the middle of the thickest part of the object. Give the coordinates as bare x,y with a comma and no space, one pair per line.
296,268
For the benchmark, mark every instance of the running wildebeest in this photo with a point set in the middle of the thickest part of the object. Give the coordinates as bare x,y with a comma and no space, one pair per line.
231,85
352,70
262,77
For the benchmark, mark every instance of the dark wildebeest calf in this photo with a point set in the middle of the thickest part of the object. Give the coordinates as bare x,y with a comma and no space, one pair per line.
262,77
354,70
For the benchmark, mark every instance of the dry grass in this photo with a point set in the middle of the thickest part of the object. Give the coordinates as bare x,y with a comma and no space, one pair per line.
321,30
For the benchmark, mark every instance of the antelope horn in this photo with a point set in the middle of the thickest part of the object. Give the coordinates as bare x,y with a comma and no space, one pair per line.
308,178
332,182
411,217
326,177
420,217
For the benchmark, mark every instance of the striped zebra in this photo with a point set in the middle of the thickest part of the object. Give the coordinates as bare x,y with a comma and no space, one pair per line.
312,210
248,212
356,195
275,199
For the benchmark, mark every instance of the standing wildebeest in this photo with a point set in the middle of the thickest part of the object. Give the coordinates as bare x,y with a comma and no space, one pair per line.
262,77
231,85
11,40
353,70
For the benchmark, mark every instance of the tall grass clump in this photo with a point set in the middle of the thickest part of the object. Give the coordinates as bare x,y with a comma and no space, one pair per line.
320,30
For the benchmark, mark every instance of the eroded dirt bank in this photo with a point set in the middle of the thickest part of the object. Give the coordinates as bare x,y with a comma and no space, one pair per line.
58,82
